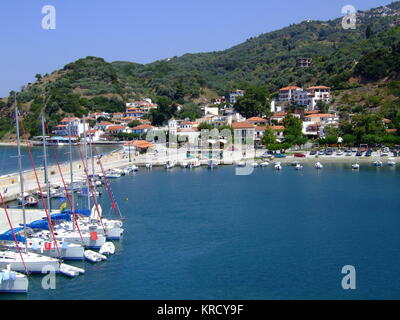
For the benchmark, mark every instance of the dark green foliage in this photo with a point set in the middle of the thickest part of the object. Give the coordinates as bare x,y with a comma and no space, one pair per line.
134,123
255,102
293,131
189,111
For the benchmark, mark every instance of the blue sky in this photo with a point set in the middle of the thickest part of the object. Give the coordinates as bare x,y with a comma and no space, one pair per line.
140,31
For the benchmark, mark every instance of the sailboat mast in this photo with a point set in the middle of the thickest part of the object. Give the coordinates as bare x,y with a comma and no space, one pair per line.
46,173
21,179
71,173
86,161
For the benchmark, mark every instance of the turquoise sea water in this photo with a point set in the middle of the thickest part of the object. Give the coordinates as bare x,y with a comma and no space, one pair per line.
9,160
205,234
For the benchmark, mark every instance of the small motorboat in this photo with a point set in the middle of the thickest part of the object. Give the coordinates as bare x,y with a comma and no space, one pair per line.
149,166
29,200
278,166
241,164
213,164
194,164
299,167
355,166
264,164
318,166
391,162
113,175
169,164
184,165
377,163
255,165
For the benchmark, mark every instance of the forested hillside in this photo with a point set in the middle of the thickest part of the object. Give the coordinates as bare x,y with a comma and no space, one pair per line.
346,60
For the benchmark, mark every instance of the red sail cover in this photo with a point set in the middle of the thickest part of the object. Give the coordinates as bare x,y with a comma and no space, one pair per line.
93,236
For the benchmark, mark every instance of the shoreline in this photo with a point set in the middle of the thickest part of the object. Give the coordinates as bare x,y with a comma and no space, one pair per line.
119,159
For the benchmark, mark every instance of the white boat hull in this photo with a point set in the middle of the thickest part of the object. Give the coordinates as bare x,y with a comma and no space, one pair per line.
16,282
32,265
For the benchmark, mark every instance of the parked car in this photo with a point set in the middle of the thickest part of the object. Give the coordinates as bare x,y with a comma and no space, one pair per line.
280,155
359,154
368,153
313,153
299,155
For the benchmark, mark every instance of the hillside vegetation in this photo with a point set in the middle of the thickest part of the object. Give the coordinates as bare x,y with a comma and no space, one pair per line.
346,60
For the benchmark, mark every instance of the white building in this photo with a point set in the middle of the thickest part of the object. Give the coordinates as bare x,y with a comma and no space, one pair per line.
211,110
286,94
234,95
73,125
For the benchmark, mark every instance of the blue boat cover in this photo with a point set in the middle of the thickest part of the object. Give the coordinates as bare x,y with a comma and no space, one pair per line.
83,212
60,216
39,224
8,236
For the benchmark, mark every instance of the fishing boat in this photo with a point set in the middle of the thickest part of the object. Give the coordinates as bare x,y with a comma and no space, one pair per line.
13,282
184,165
113,175
278,166
355,166
195,163
212,163
28,199
169,164
299,167
377,163
391,162
318,166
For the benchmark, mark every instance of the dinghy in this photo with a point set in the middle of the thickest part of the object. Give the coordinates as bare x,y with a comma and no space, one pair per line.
107,249
70,271
94,256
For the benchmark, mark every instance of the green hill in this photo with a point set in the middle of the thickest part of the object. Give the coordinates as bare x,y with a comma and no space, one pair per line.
343,59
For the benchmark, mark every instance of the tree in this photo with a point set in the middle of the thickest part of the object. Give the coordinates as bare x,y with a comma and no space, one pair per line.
189,110
268,138
322,106
254,103
368,32
205,126
134,123
294,131
165,111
